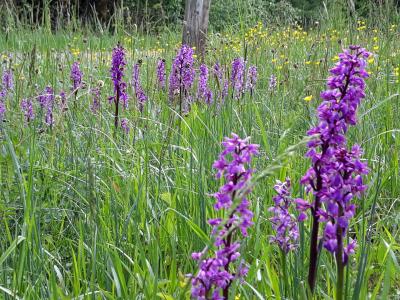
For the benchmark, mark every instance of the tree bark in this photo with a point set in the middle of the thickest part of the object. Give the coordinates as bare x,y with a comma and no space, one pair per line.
196,24
103,9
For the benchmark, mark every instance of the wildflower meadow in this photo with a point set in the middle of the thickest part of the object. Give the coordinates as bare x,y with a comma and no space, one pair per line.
135,166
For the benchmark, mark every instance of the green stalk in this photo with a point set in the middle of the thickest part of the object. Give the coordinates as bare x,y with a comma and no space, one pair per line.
285,274
339,260
340,272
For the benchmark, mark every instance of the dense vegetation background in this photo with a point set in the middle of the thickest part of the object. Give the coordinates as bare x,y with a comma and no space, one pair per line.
156,14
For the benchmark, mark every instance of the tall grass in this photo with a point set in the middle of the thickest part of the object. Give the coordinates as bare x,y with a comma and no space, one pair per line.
88,215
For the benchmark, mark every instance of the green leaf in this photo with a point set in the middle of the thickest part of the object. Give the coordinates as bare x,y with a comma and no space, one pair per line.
10,249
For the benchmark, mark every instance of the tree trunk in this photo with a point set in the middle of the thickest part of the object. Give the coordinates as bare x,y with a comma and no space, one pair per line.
196,24
103,10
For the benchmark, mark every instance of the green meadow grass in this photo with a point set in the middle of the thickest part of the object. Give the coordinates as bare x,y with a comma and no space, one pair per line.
87,212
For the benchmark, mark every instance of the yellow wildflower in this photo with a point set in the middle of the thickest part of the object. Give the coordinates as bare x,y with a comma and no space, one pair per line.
308,98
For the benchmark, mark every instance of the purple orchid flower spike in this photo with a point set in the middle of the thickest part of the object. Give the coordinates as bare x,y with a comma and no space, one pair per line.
118,63
27,109
217,273
139,92
182,77
46,102
204,92
161,73
237,76
252,77
76,76
335,177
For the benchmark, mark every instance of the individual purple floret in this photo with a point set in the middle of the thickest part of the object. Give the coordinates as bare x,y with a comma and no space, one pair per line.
237,76
27,109
335,176
125,125
161,73
76,76
182,75
284,223
117,73
251,79
139,93
203,91
217,273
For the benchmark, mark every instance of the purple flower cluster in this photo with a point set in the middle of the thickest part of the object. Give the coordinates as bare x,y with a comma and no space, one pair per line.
251,78
118,64
139,93
182,74
46,102
76,76
237,76
335,176
216,274
7,86
8,80
161,73
272,82
204,92
342,185
27,109
285,224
